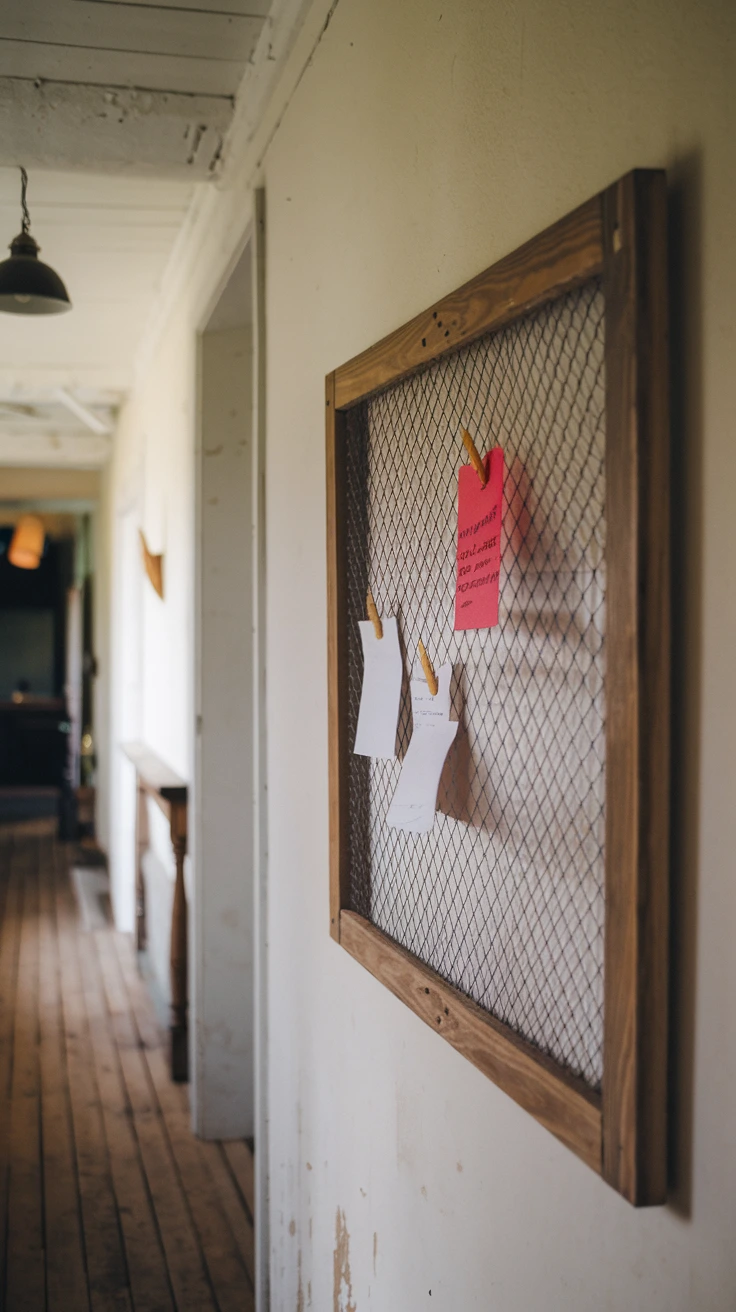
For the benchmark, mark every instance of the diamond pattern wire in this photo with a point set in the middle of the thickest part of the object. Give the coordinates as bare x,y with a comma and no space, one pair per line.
505,897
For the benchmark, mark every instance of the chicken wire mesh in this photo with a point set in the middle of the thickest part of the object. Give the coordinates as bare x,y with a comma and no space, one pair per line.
505,897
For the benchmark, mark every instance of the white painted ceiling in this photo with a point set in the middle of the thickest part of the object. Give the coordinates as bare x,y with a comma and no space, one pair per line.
117,108
109,238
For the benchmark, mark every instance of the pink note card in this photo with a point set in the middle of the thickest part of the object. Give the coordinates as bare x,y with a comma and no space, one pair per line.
479,544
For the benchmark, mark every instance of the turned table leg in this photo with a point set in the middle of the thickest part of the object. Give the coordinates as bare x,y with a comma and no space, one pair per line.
178,966
141,843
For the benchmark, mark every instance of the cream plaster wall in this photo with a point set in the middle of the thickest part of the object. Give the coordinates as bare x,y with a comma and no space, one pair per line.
410,145
426,140
151,478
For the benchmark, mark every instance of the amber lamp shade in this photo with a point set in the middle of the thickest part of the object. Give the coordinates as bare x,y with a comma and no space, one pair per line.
26,545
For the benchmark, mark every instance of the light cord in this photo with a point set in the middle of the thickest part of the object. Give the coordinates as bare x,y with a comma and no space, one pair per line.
24,206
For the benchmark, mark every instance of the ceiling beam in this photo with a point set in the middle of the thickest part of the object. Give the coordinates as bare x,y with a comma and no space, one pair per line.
111,129
77,452
91,421
25,483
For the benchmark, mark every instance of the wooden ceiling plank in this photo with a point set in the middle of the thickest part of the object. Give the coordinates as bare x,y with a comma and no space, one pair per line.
81,191
135,28
117,68
79,452
239,8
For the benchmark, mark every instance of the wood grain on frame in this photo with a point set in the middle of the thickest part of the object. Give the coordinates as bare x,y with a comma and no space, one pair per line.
637,688
560,1101
336,659
565,255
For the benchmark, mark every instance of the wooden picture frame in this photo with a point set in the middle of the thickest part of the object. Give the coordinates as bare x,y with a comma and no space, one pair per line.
620,237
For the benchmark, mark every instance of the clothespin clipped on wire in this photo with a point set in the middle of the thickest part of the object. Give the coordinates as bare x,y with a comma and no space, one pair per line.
428,668
476,458
373,615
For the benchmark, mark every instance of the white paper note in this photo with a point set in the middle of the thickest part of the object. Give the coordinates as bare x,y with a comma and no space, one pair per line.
426,709
381,693
414,803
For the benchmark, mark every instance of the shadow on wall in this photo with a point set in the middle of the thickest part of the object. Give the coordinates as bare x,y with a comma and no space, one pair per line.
686,354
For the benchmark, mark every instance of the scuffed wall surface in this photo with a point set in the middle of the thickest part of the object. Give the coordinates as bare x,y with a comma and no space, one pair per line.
425,141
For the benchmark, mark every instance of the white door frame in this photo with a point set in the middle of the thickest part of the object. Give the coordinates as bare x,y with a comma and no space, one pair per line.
254,236
126,698
260,819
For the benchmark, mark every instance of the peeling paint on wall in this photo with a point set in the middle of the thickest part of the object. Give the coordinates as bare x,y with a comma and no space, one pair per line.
342,1291
300,1288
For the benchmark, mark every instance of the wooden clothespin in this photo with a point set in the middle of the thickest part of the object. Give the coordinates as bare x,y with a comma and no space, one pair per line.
373,615
429,673
476,459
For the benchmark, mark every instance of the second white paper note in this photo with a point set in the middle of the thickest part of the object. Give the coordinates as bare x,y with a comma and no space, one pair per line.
381,693
415,800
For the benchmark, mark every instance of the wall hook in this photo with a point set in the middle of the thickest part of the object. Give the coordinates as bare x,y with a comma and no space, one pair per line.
153,566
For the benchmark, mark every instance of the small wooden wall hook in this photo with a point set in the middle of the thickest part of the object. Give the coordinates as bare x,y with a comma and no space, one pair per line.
476,459
153,566
373,615
429,673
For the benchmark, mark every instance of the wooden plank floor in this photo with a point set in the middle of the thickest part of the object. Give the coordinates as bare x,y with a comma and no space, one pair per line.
107,1200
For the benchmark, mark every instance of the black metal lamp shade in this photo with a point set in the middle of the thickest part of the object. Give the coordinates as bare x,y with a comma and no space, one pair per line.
27,286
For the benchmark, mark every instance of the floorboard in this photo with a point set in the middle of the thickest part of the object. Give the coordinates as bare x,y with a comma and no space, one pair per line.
108,1202
66,1272
26,1270
11,898
145,1257
219,1234
109,1289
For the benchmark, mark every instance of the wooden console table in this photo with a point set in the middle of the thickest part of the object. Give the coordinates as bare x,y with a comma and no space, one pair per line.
169,792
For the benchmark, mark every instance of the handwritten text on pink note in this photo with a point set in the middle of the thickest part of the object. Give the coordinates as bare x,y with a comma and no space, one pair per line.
479,544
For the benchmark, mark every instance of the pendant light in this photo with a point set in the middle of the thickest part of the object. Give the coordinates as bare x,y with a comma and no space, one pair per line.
26,285
26,545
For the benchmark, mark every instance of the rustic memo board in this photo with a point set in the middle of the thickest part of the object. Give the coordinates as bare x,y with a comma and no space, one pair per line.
530,926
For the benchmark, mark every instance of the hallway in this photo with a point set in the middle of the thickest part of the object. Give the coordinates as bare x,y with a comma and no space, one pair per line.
107,1200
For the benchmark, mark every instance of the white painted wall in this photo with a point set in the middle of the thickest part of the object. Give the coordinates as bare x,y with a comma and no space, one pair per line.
127,650
406,148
